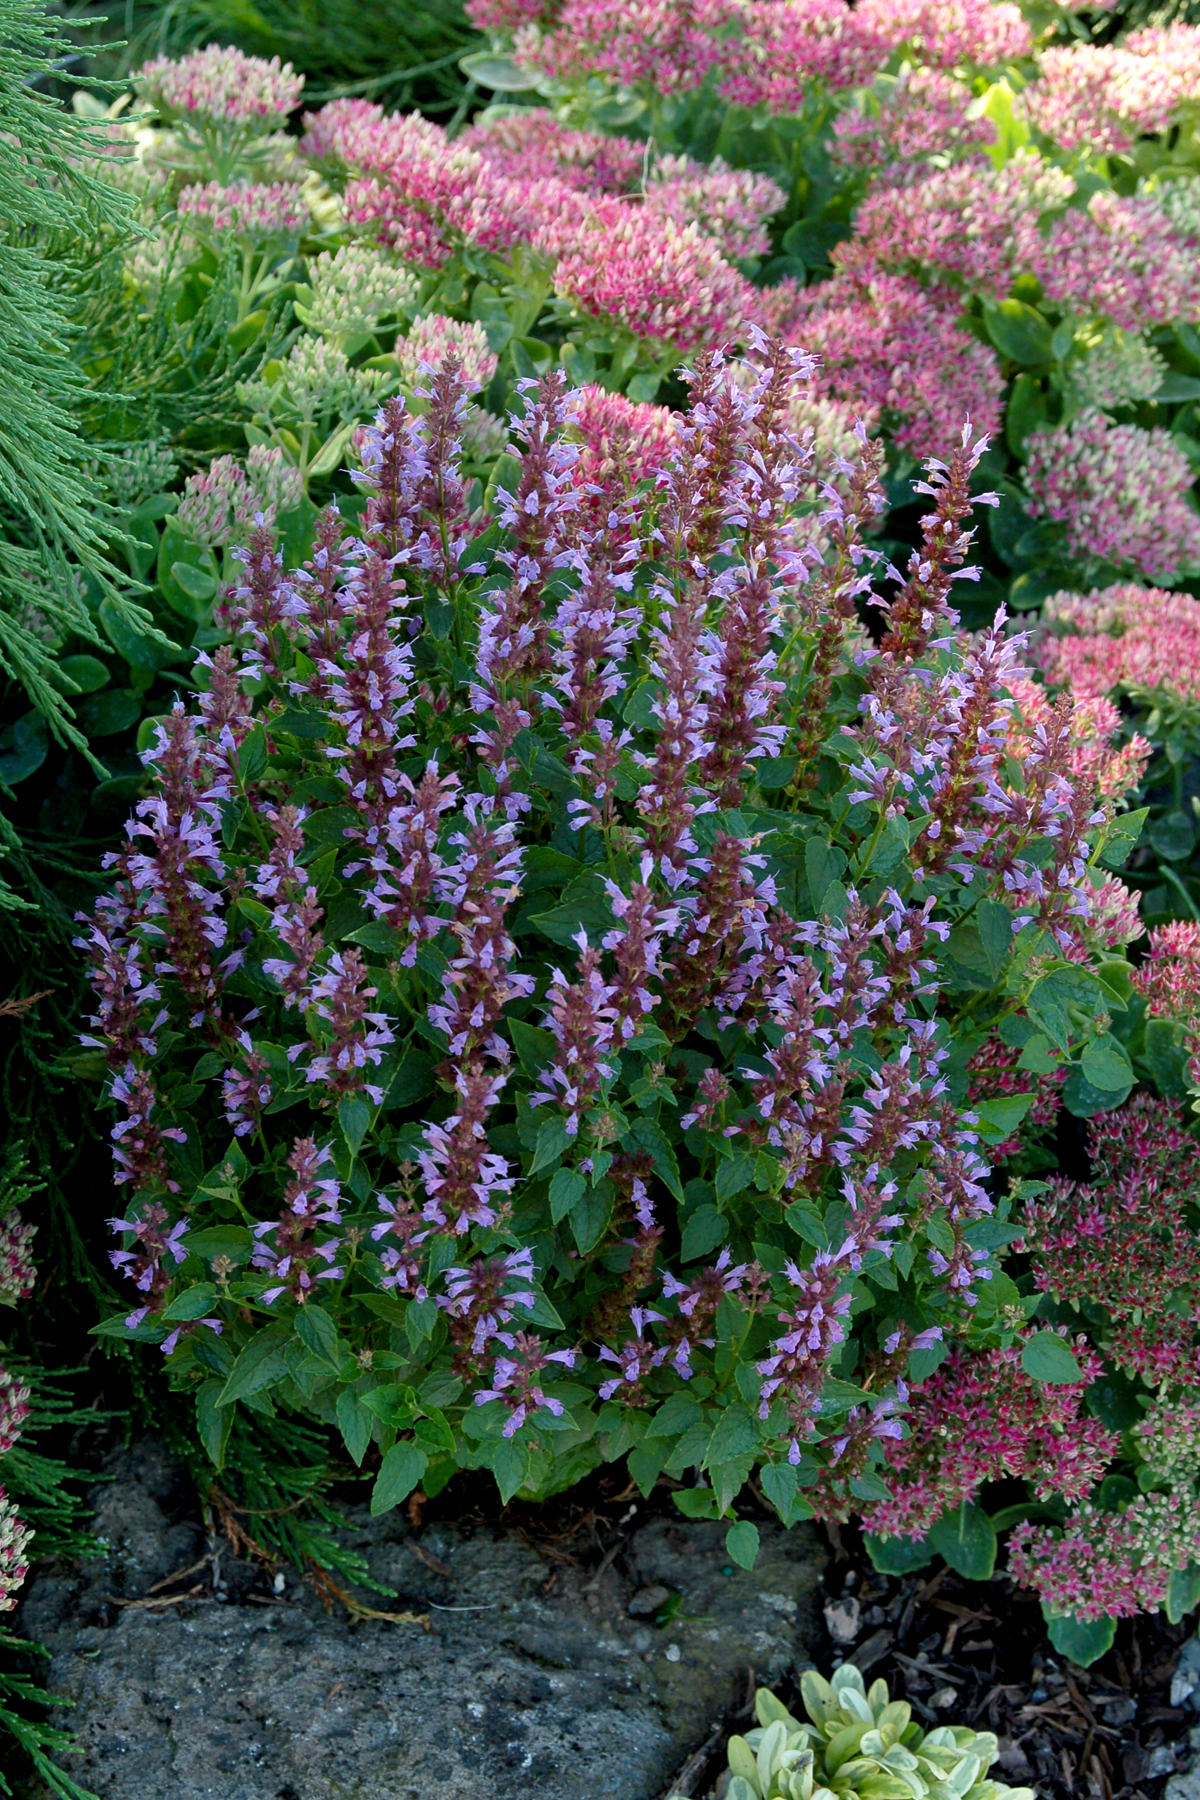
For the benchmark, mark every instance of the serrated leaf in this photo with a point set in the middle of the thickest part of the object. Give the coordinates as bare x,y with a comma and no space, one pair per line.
510,1466
213,1423
194,1303
318,1333
399,1473
736,1433
1106,1065
703,1230
260,1363
354,1423
567,1186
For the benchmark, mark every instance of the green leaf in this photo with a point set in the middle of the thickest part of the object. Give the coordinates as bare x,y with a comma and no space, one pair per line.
234,1241
734,1175
824,868
1083,1641
1051,997
590,1215
703,1231
966,1540
780,1483
1019,332
694,1503
1167,1057
1173,836
567,1186
260,1363
354,1423
584,907
84,673
1026,413
213,1422
1106,1065
399,1473
193,1303
1183,1593
995,924
354,1116
500,73
1000,1117
552,1140
534,1047
1048,1359
318,1333
648,1136
1121,838
675,1416
741,1543
26,746
735,1435
510,1466
897,1555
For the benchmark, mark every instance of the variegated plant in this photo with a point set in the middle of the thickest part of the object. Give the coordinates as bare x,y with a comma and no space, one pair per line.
859,1743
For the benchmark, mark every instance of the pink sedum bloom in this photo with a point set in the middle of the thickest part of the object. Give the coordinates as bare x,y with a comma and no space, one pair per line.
1123,637
14,1544
429,341
658,279
1122,493
223,85
245,209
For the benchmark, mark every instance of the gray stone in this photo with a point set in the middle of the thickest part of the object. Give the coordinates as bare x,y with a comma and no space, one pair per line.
528,1680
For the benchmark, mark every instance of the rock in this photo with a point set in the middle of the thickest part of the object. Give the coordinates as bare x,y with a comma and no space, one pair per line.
1184,1787
1119,1712
648,1600
516,1688
1162,1761
843,1618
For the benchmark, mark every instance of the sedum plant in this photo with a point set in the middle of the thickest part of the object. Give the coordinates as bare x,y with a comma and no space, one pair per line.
859,1743
537,985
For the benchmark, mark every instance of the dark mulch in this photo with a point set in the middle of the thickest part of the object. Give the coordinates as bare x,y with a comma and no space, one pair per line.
976,1653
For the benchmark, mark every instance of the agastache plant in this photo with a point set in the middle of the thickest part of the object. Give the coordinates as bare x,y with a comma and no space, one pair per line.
539,980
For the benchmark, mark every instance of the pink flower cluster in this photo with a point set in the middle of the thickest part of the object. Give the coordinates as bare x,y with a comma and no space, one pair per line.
219,503
924,115
788,45
1100,98
728,205
621,443
224,86
1170,980
1123,1243
896,353
532,144
246,208
429,341
14,1543
1122,492
1108,1563
769,53
671,44
14,1410
981,1418
1123,637
16,1259
657,279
